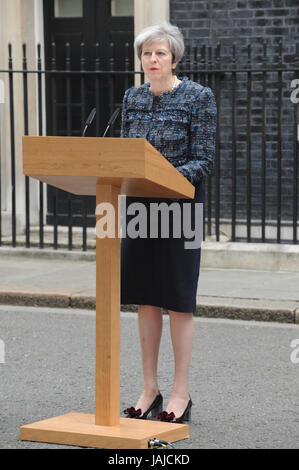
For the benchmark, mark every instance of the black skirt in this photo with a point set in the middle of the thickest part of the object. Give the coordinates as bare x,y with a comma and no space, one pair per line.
161,271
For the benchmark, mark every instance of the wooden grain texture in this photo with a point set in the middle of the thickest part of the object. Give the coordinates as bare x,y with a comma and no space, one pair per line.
79,429
78,164
107,394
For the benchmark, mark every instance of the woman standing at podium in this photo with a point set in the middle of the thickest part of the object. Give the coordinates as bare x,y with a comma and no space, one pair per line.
178,117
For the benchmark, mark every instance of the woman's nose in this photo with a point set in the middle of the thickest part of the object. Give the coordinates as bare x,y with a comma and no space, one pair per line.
153,57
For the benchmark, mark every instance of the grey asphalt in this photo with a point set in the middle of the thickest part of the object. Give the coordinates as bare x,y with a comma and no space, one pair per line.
243,382
67,281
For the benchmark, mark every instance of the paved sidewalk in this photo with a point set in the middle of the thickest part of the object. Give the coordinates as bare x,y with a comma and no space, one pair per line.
67,280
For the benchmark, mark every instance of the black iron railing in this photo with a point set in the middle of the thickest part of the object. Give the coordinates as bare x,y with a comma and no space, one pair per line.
253,192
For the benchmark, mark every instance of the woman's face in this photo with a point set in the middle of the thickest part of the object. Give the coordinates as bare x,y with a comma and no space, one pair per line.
156,59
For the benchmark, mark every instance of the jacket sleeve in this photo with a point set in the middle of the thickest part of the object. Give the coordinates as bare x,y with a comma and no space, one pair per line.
202,138
124,126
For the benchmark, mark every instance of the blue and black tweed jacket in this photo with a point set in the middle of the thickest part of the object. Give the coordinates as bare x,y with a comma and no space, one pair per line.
180,124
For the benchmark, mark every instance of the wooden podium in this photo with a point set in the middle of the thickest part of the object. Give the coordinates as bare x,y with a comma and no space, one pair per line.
105,167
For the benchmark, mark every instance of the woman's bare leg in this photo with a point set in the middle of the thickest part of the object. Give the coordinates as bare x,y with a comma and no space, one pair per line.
181,329
150,331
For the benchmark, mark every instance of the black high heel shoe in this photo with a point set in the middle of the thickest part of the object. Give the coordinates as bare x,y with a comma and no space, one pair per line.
170,417
155,408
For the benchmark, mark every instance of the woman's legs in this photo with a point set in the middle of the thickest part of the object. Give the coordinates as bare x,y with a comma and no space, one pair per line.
181,329
150,330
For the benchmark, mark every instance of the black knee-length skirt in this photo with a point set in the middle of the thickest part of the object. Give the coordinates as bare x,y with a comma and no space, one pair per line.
161,271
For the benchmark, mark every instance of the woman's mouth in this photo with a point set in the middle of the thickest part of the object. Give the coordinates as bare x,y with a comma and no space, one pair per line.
154,68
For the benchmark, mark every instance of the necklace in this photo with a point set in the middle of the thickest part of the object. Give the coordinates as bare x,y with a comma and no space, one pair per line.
174,84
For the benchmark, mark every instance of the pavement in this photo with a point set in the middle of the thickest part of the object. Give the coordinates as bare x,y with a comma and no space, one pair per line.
67,279
243,375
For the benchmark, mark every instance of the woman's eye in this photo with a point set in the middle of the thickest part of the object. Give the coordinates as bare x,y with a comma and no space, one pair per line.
149,53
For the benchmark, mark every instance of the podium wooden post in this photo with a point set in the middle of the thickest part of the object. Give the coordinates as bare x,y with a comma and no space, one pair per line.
107,373
105,167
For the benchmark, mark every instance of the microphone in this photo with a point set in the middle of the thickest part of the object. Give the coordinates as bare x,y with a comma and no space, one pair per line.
112,120
89,120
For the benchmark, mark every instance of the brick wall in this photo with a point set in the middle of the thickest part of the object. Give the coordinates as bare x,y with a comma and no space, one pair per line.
239,21
254,22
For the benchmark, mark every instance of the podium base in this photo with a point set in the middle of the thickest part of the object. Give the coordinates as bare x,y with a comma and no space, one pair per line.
78,429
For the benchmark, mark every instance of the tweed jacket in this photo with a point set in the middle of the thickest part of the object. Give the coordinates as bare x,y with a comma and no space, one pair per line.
180,124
